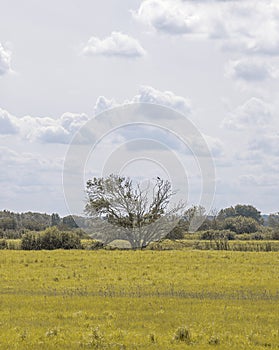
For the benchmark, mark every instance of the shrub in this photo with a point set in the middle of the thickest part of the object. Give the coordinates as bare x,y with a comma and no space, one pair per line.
275,235
241,224
50,239
183,334
176,233
3,244
217,235
29,241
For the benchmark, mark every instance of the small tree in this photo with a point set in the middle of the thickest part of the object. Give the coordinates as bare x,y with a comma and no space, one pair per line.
123,211
241,224
273,220
241,210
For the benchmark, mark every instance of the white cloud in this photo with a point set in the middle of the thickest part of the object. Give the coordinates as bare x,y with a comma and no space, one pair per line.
245,26
8,123
62,129
215,146
103,104
251,70
5,60
172,17
268,144
253,113
117,44
148,94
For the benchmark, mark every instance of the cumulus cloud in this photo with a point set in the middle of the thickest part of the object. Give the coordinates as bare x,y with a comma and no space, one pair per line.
103,104
5,60
253,113
44,129
117,44
215,145
8,124
268,144
246,26
148,94
171,17
61,130
49,130
251,70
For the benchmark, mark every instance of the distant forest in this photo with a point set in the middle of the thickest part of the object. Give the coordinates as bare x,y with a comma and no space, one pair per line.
14,225
237,220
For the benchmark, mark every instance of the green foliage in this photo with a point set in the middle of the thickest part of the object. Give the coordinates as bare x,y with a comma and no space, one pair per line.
240,224
273,220
50,239
3,244
240,210
217,234
55,219
275,235
183,334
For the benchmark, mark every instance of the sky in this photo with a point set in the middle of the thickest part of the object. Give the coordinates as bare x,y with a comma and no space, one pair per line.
64,63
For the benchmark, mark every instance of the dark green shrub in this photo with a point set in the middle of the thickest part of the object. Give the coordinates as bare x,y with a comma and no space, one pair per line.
3,244
29,241
217,235
183,334
275,235
176,233
50,239
241,224
70,240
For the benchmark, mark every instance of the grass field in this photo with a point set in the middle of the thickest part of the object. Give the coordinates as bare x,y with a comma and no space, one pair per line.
139,300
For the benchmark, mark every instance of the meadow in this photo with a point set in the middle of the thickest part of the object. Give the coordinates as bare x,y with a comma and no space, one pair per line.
83,299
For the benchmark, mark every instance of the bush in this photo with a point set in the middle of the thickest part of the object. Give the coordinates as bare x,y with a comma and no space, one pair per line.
182,334
30,241
176,233
3,244
241,224
275,235
217,235
50,239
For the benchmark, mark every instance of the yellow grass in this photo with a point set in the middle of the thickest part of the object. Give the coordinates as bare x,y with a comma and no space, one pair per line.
139,300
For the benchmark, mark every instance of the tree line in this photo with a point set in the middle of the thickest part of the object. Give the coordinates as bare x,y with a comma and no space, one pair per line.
118,209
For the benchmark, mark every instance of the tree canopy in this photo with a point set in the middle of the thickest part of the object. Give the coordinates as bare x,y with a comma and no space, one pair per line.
128,211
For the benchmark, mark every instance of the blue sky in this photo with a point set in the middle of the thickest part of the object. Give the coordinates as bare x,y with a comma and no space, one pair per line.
62,63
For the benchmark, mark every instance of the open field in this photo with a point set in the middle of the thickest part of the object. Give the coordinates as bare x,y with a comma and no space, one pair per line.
139,300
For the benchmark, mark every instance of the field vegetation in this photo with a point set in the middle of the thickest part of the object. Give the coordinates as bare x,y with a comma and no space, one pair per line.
84,299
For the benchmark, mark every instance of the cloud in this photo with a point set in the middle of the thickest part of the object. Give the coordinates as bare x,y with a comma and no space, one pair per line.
259,180
117,44
5,60
253,113
268,144
148,94
61,130
171,17
250,70
215,145
8,123
246,26
103,104
44,129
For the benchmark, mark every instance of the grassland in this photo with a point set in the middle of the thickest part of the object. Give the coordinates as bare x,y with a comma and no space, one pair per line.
139,300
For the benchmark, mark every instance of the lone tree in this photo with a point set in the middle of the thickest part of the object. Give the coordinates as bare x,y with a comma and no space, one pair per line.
121,210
